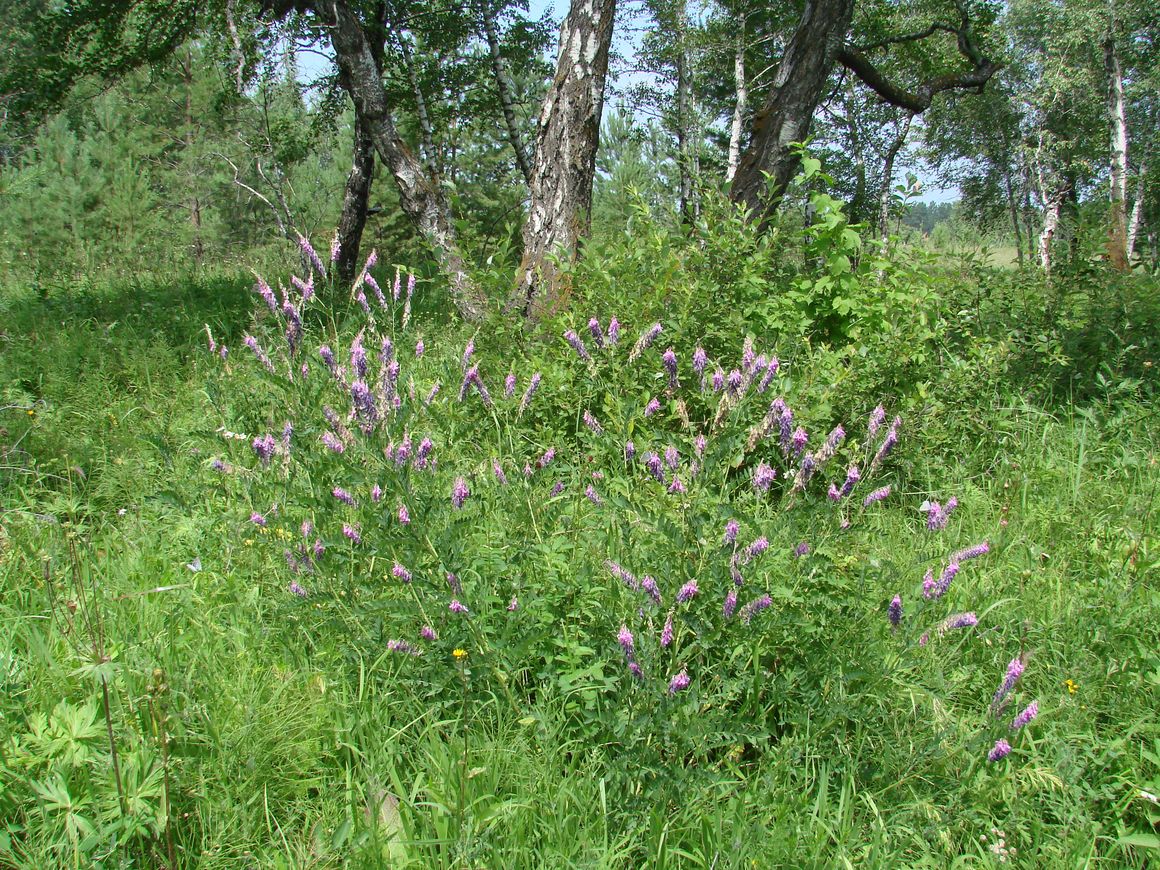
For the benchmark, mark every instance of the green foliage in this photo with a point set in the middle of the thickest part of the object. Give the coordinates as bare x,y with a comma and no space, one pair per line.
296,736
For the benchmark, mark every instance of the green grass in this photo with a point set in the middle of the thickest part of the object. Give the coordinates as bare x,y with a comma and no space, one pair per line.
280,751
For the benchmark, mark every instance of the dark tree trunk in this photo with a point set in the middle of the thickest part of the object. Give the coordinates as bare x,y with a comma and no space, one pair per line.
793,98
565,159
884,197
1014,219
421,200
355,198
503,86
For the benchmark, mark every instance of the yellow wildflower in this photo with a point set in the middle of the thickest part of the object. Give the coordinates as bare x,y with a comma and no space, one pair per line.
459,653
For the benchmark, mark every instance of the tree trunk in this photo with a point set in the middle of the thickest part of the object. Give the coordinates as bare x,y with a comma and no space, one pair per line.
684,99
738,106
1118,162
503,86
1014,218
565,161
421,200
194,203
789,108
856,208
426,132
888,179
1137,212
353,219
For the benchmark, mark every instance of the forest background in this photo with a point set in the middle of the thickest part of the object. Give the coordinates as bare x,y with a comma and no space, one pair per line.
424,445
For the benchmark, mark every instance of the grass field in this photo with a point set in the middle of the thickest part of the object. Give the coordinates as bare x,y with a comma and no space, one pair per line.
166,702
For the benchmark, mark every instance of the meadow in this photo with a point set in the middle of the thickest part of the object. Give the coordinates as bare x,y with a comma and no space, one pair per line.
248,618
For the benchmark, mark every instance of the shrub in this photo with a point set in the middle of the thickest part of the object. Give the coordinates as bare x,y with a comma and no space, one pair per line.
676,546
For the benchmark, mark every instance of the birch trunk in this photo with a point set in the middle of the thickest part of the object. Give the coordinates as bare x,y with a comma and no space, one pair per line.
1118,160
565,160
421,200
738,106
1137,212
504,88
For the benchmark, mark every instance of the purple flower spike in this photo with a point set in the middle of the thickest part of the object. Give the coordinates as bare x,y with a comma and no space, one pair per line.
499,475
770,371
252,344
419,348
376,493
401,573
401,646
456,607
557,488
577,345
592,423
758,547
894,611
295,589
676,487
935,590
877,418
652,407
755,607
468,352
653,462
877,495
596,332
679,683
798,440
853,475
613,331
645,341
669,359
699,444
687,592
257,519
734,381
264,446
351,532
634,669
672,457
629,451
343,496
667,631
763,477
1000,750
972,552
513,605
731,529
959,620
730,605
649,585
428,633
1024,718
1014,671
802,549
404,515
700,360
459,493
624,638
888,443
593,496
